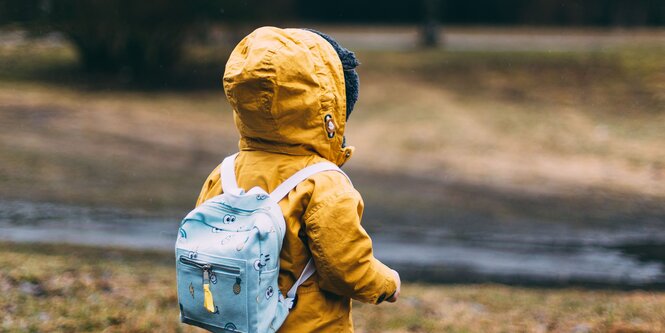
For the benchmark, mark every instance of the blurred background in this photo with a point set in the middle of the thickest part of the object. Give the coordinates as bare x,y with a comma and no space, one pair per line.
511,155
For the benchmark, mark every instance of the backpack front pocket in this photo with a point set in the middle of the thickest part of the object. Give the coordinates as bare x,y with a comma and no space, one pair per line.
212,292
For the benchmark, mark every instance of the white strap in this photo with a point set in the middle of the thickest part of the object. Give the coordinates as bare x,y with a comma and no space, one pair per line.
228,174
230,184
306,274
284,188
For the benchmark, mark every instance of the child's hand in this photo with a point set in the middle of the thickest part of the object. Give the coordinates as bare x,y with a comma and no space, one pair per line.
394,297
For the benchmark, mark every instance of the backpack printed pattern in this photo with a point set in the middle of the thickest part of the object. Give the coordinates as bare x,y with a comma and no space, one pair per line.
227,257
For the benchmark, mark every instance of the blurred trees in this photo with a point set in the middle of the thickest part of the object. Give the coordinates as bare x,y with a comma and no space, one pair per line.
139,37
430,26
146,37
489,12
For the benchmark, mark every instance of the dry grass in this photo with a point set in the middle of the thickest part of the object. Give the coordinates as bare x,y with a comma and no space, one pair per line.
148,150
495,308
535,121
57,288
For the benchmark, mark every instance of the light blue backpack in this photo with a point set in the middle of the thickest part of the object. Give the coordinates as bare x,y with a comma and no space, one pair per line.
227,257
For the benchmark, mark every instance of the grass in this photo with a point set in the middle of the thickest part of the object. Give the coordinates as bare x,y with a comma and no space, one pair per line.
60,288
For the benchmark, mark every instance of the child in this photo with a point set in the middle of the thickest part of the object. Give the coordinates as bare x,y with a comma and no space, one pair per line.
292,91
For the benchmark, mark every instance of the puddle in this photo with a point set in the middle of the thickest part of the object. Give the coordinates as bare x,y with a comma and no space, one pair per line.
628,258
462,261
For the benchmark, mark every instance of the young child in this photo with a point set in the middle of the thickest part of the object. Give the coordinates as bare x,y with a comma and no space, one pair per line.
292,91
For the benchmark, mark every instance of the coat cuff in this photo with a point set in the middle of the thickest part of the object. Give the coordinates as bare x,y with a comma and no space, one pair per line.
389,287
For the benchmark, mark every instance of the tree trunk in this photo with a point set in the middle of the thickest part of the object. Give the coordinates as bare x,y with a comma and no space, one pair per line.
430,26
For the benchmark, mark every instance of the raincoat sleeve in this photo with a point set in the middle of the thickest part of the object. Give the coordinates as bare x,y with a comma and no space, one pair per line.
341,248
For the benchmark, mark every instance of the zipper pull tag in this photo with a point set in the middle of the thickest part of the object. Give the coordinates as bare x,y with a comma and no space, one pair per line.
236,286
208,302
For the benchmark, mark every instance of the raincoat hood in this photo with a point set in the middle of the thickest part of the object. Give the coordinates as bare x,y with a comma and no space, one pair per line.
286,88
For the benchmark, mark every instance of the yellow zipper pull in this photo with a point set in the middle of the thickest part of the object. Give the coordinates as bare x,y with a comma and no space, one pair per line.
208,302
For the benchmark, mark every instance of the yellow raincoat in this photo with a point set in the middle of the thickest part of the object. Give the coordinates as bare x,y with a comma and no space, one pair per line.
286,87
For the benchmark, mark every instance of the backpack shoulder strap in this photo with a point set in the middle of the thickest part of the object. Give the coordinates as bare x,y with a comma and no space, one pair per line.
306,273
284,188
228,174
230,184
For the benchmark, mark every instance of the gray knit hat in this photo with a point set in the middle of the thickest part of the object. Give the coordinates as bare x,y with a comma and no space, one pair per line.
349,63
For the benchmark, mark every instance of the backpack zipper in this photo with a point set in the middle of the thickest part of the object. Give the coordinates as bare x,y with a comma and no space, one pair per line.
204,266
235,210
